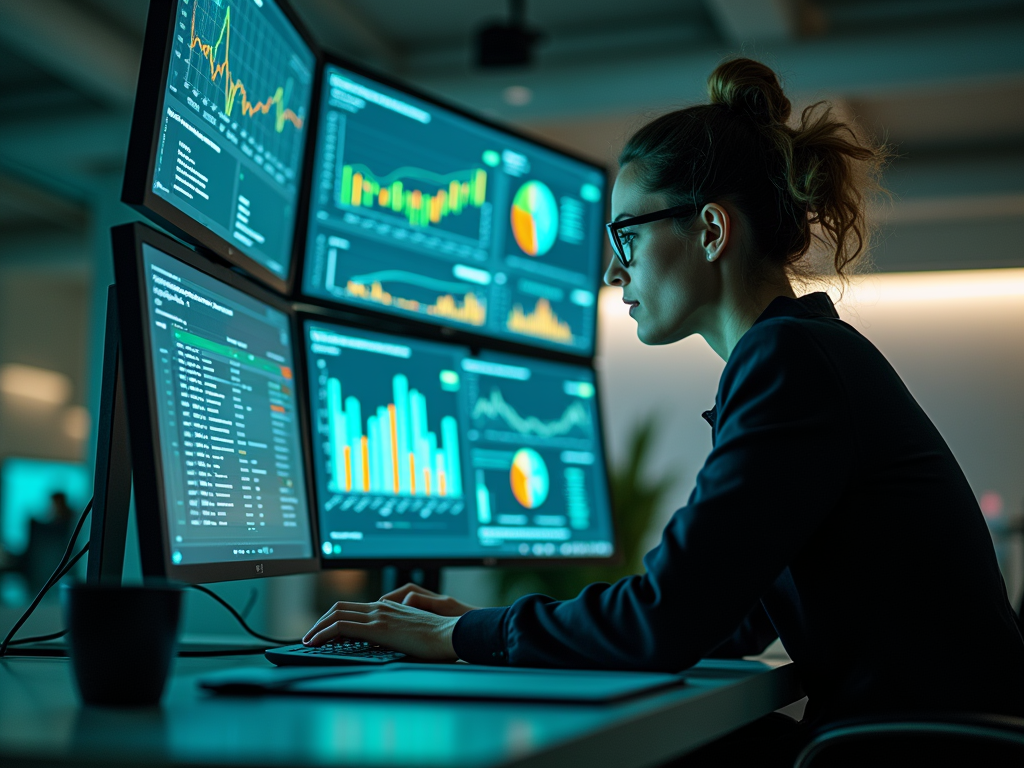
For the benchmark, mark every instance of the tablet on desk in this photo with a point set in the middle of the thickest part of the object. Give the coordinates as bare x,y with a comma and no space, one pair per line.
465,682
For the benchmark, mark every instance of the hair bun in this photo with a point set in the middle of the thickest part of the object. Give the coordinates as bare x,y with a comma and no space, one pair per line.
749,88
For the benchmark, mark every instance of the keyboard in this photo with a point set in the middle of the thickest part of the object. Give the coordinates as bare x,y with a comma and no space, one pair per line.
332,654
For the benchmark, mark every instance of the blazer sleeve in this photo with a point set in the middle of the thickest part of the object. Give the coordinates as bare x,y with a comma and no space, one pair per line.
775,472
755,633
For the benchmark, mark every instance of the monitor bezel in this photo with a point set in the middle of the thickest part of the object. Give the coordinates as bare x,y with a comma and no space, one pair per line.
453,333
137,186
394,327
140,389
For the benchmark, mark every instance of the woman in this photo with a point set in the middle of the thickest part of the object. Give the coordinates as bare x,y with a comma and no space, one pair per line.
830,512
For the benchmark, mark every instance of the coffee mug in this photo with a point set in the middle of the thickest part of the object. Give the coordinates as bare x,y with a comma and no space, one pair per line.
122,640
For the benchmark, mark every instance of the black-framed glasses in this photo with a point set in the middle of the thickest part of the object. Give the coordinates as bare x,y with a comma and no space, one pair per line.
621,241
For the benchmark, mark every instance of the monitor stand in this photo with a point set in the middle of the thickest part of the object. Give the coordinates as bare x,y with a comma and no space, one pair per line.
112,484
394,577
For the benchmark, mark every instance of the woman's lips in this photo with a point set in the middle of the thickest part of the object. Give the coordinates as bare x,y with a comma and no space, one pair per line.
632,305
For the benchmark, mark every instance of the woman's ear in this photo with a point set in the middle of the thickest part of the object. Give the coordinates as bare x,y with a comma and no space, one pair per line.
715,230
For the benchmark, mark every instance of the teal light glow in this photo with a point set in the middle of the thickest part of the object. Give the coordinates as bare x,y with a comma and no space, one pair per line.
25,489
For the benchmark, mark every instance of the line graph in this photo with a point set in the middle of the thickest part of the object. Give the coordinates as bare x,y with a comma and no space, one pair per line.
236,95
234,88
495,407
412,278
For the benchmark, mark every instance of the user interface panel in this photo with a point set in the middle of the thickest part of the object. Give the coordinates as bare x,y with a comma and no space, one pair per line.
422,212
234,122
424,451
230,449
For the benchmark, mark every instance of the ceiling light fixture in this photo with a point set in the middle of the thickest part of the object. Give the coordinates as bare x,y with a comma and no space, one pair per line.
507,44
952,285
517,95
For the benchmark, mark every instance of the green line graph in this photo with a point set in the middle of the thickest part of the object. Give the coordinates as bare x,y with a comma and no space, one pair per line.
495,407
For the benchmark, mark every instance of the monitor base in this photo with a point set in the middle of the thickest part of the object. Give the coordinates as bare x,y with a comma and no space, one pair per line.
394,577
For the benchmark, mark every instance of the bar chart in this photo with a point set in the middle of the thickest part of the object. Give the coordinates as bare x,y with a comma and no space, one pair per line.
393,451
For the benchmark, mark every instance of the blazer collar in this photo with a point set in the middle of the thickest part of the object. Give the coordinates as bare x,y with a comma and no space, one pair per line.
812,305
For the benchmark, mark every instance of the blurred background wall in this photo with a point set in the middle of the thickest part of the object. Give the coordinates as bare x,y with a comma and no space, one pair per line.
941,80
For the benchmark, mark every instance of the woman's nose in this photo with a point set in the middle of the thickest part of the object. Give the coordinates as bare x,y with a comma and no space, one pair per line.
616,274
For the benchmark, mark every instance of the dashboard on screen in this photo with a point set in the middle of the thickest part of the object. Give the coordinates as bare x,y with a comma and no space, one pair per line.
227,432
423,212
231,125
424,451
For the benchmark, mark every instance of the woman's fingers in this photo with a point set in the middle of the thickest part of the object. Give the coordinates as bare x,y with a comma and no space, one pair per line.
442,605
399,595
345,606
338,615
335,630
439,604
405,628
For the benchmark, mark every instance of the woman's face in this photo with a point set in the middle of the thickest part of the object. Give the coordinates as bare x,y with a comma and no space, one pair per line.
669,283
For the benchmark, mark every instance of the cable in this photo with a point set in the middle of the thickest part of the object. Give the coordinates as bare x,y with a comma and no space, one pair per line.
67,562
220,652
57,574
54,635
239,618
250,603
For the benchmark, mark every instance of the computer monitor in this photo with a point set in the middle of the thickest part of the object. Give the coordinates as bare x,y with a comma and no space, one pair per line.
217,443
424,452
423,211
219,131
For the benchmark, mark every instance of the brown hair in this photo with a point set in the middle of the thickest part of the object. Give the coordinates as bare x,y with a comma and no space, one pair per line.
795,186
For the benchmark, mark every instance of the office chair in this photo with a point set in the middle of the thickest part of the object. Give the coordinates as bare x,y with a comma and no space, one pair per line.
985,741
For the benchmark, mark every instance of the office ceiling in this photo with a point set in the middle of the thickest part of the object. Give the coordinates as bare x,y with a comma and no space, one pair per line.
943,80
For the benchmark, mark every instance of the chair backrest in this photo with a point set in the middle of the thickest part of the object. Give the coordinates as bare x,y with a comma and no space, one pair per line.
985,741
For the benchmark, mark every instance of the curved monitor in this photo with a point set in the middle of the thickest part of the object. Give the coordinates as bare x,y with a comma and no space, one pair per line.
423,212
220,128
217,444
425,452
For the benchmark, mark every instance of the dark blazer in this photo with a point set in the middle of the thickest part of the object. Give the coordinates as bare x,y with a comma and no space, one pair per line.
831,512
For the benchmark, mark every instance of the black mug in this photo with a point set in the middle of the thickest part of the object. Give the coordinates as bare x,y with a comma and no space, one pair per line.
122,640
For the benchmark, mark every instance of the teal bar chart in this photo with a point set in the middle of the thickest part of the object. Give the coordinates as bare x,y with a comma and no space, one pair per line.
395,452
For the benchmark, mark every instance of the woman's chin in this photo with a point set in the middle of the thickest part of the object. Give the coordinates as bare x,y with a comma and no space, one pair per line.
646,336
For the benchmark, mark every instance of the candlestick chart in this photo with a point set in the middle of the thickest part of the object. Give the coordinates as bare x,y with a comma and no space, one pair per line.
442,195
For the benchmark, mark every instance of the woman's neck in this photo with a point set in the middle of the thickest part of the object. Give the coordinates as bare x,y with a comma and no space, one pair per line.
740,306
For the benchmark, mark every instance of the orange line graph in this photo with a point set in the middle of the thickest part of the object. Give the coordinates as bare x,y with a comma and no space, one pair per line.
234,88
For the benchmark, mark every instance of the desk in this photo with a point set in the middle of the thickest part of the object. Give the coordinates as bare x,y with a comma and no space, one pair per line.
42,723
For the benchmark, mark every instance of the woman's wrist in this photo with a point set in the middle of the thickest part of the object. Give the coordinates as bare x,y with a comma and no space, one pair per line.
448,636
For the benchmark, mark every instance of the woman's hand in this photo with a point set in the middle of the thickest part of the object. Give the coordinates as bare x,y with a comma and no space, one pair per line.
401,627
418,597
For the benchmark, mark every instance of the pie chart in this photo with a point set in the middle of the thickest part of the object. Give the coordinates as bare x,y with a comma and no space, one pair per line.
529,478
535,218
